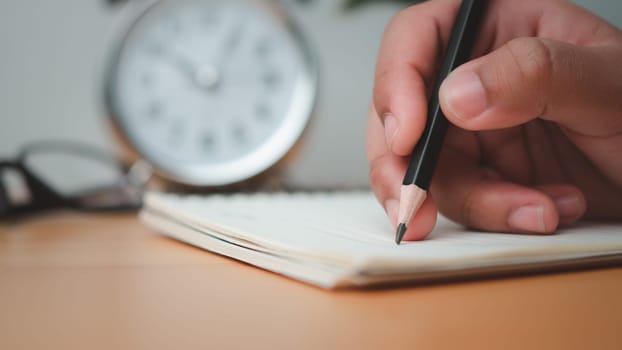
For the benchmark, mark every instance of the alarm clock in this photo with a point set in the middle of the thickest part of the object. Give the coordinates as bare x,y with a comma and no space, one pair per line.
210,92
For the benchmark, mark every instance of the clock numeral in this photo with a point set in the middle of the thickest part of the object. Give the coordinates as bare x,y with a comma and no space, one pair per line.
271,79
209,19
146,80
154,48
262,112
263,48
239,134
175,27
176,134
154,111
208,143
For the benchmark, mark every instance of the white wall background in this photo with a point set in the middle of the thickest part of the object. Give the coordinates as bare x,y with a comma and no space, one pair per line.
50,74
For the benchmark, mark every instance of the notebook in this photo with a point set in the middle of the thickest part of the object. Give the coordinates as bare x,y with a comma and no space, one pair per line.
343,239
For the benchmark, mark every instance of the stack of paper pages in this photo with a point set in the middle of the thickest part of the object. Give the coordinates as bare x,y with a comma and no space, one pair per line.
344,239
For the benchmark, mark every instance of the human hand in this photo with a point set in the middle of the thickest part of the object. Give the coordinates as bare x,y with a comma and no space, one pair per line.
536,139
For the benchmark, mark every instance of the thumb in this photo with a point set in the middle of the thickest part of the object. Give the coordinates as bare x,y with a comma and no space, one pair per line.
577,87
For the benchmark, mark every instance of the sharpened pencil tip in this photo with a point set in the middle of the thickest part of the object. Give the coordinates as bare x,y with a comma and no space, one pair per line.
399,234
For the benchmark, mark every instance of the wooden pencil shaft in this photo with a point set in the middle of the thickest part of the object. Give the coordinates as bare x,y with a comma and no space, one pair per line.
414,199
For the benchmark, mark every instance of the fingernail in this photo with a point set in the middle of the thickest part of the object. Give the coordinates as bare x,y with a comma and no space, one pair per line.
392,206
391,127
464,95
568,206
528,218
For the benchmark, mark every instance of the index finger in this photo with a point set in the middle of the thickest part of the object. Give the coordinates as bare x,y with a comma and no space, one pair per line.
407,63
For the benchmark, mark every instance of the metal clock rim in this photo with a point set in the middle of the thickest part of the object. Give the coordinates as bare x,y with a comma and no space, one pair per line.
273,150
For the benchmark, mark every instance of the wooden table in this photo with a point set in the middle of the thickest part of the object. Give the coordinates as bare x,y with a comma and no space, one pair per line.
70,281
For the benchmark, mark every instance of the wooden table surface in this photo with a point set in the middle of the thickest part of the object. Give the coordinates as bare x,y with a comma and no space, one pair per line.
71,281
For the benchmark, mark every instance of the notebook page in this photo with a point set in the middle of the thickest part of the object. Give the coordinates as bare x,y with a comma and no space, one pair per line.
351,229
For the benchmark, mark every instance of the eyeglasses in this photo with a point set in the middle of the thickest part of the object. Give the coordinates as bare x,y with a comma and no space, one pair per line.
64,175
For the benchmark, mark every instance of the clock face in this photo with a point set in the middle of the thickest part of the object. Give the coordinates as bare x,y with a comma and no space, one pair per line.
211,92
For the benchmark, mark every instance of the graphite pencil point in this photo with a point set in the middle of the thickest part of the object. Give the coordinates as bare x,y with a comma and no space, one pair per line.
399,234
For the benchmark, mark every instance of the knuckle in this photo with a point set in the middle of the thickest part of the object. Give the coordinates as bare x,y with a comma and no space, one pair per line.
379,89
404,16
467,210
475,200
377,172
380,176
533,60
399,16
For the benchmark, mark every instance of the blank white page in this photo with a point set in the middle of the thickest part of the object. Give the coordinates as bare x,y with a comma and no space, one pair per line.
351,230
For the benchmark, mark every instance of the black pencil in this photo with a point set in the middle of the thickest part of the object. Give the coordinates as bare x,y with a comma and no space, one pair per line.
425,155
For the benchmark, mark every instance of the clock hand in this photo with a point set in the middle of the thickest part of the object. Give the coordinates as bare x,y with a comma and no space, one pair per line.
208,76
204,76
185,66
231,41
